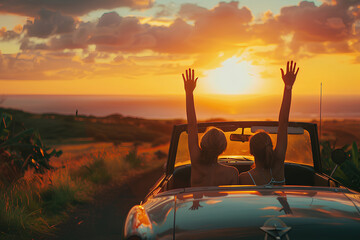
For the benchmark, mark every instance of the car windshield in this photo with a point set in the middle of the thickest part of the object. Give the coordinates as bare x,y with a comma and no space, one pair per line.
238,150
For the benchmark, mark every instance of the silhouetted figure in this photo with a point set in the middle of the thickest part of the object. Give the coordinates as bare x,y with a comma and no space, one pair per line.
76,112
269,163
205,170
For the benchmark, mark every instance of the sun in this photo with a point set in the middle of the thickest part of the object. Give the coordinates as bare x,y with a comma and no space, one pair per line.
235,76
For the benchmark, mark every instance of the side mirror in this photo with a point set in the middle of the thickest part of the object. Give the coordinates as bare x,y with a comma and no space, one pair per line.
339,157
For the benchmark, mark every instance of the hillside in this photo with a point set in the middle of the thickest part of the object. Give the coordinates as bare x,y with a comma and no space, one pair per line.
62,129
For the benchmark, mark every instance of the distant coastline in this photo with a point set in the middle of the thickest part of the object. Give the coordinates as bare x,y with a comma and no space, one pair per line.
244,107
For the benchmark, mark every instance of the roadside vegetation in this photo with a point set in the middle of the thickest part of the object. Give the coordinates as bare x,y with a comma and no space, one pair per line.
347,173
39,186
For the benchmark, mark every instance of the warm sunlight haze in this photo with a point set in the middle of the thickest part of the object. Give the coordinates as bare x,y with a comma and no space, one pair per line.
235,76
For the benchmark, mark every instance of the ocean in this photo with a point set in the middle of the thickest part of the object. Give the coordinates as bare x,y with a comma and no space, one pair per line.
243,107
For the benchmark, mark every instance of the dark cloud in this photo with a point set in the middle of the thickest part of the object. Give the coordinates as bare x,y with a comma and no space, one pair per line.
79,39
173,39
109,19
8,35
48,23
312,23
69,7
121,33
307,29
298,31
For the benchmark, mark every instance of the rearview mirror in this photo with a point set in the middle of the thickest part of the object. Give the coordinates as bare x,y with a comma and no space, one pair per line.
240,137
224,128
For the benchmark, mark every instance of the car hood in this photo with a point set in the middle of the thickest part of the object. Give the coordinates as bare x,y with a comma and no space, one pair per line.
253,213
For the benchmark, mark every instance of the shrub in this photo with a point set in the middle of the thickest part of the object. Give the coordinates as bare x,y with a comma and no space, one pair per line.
349,172
132,158
96,171
21,150
160,154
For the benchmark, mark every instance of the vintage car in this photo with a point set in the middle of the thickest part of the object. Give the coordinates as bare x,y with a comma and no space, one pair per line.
311,205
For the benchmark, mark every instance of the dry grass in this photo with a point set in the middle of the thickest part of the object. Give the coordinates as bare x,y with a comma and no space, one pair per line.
35,204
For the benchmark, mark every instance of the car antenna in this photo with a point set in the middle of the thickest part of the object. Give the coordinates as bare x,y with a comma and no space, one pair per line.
320,110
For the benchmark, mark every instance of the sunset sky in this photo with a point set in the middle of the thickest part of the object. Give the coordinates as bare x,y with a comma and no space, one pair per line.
140,47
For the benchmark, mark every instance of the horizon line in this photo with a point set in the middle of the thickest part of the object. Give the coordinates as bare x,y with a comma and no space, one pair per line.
174,95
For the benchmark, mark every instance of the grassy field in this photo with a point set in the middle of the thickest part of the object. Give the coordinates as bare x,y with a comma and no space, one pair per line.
96,152
37,203
58,129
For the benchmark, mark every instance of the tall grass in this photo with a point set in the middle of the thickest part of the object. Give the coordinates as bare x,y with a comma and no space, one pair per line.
35,203
95,171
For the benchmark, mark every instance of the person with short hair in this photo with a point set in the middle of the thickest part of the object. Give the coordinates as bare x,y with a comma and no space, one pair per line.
205,169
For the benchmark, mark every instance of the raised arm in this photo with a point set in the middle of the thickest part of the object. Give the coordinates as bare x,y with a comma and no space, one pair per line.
189,85
289,79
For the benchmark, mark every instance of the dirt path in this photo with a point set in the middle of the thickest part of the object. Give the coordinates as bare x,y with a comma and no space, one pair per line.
105,216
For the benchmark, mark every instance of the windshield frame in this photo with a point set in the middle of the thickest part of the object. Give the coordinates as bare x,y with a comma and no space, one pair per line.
178,129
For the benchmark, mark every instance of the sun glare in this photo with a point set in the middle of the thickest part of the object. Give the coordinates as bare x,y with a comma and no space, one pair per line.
235,76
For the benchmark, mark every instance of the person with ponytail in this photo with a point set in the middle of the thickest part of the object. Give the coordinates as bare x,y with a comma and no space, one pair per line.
269,162
205,169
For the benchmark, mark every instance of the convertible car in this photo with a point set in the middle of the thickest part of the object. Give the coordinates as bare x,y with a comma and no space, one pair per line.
311,205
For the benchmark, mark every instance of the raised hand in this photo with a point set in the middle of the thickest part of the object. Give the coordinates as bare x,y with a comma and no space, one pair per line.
290,76
189,82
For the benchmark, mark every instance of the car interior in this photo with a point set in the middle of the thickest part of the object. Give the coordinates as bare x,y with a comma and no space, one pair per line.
308,177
